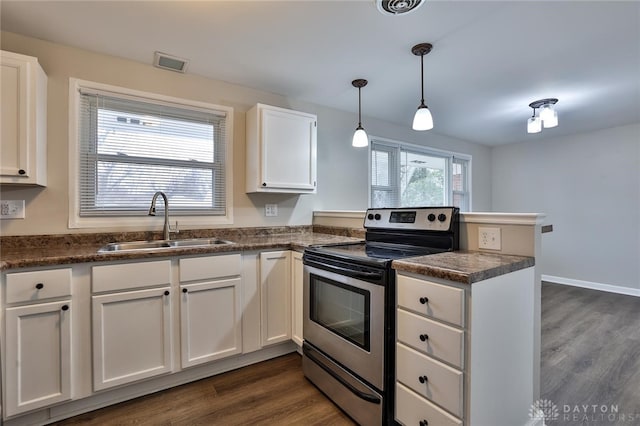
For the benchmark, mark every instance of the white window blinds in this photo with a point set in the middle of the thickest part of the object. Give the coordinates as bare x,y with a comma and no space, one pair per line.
132,147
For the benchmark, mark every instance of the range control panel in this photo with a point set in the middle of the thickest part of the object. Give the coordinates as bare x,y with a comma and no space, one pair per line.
417,218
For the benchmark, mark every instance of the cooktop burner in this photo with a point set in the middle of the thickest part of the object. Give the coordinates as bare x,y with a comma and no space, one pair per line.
381,251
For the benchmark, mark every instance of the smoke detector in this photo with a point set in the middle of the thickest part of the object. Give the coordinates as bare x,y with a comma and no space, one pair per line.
398,7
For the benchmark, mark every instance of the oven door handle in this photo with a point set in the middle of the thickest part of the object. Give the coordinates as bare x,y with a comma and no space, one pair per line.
362,395
352,273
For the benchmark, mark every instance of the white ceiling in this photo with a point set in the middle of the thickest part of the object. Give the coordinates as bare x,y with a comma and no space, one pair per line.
489,60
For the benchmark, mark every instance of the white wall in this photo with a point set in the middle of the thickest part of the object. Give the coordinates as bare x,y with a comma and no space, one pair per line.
589,187
342,170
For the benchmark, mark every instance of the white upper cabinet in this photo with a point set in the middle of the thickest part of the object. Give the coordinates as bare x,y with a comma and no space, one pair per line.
281,150
23,120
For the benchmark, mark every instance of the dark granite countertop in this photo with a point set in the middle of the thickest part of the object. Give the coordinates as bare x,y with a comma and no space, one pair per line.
465,267
61,251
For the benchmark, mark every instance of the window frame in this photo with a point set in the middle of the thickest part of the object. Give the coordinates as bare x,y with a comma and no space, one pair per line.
128,221
449,155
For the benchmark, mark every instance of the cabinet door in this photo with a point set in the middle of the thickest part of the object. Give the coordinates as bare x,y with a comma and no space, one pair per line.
288,150
131,336
275,297
296,297
210,319
14,117
38,356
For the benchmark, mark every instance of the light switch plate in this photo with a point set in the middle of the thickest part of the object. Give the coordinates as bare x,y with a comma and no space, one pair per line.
12,209
489,238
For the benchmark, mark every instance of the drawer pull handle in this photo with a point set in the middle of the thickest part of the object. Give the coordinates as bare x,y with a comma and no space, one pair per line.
22,172
424,423
65,307
424,337
424,300
184,290
166,293
423,379
39,286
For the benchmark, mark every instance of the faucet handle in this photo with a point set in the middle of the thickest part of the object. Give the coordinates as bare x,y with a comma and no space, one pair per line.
175,229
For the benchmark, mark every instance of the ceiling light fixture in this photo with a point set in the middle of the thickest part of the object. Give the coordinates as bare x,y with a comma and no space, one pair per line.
360,137
547,118
423,119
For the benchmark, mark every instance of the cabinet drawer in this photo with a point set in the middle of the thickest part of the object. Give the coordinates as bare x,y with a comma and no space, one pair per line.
411,409
203,268
435,300
130,275
443,384
438,340
38,285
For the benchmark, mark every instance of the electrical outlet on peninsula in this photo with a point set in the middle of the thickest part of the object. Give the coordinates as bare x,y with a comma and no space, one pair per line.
489,238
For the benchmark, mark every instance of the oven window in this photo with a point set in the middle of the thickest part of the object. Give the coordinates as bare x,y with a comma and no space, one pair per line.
341,308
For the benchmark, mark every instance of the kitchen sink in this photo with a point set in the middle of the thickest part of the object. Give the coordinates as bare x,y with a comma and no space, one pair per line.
161,244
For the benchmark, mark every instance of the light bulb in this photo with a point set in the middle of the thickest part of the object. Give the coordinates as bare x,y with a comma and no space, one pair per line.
360,138
423,119
551,120
534,125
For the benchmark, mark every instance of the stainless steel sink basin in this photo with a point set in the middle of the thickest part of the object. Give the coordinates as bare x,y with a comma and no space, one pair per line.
161,244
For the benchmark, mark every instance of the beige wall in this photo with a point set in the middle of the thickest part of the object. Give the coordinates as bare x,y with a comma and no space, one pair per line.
47,208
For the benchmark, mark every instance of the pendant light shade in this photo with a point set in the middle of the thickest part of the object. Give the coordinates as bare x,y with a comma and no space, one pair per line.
360,138
422,120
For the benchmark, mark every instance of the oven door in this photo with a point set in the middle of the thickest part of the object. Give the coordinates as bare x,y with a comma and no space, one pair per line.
344,318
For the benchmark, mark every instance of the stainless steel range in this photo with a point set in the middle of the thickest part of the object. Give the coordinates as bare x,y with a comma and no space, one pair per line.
349,300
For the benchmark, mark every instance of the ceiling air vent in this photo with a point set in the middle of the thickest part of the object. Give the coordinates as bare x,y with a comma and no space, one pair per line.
169,62
398,7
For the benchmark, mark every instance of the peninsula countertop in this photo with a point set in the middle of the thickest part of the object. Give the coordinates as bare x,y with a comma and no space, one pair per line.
465,267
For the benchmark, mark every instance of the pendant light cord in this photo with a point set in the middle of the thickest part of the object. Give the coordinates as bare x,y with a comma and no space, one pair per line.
359,109
422,78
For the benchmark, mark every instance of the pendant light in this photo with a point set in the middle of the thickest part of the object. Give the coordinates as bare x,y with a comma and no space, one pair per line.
360,138
547,118
422,120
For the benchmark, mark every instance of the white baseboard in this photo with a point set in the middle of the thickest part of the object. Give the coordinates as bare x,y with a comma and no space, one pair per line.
592,285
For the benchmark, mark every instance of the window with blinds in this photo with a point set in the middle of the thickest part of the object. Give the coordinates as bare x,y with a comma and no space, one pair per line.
404,175
131,147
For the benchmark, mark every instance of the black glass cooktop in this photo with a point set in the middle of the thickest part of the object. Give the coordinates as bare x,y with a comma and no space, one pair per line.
369,250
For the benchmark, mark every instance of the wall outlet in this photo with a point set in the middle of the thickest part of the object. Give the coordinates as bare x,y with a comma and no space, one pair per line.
489,238
271,210
12,209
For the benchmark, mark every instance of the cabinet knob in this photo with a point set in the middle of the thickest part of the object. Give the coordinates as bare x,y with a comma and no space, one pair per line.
40,286
424,300
22,172
65,307
424,337
184,290
166,293
264,183
423,423
422,379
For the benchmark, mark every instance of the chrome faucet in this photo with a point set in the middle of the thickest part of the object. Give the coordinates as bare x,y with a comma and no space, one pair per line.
152,212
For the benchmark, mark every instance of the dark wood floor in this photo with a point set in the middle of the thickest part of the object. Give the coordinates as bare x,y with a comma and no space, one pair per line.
273,392
590,355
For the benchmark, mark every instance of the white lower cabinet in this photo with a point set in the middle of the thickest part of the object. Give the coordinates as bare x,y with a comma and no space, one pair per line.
275,297
210,308
463,350
131,329
38,356
37,341
297,277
